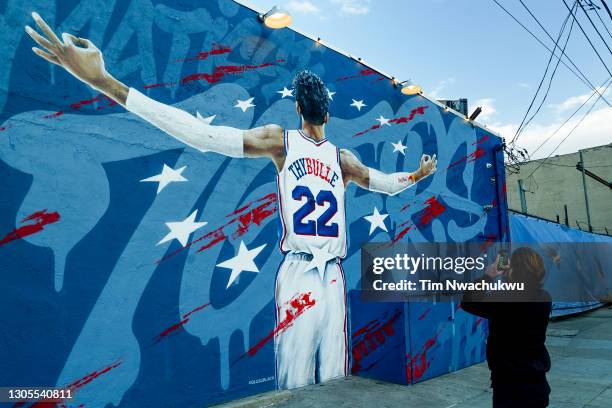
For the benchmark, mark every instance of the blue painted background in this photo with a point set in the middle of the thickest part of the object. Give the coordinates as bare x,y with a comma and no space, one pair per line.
85,300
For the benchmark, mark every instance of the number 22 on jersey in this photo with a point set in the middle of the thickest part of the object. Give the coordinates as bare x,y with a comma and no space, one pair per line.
322,226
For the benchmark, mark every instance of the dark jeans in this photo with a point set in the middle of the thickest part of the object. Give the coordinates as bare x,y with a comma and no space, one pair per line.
521,395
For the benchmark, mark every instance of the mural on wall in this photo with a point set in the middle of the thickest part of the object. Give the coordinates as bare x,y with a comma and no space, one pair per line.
141,271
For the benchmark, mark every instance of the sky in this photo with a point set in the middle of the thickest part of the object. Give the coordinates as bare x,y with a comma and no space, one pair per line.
472,49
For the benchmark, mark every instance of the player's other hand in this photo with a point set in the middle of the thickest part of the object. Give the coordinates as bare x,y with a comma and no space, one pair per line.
428,165
78,56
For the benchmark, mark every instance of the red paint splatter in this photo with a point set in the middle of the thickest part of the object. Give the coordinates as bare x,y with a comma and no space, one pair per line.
80,383
297,306
374,127
256,216
405,207
78,105
84,102
222,70
361,73
54,115
216,50
405,119
216,76
40,218
481,140
402,119
157,85
401,234
180,324
368,327
369,337
418,365
432,210
422,316
253,213
74,386
472,157
238,211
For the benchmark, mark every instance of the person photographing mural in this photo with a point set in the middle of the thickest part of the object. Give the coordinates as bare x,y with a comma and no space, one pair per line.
312,178
516,351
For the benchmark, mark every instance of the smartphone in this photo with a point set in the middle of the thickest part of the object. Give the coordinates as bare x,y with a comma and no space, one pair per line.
503,260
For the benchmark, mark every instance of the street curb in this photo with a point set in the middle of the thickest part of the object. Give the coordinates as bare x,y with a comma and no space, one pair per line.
266,399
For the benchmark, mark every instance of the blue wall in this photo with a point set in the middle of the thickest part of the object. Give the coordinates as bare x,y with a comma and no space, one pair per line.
587,267
87,298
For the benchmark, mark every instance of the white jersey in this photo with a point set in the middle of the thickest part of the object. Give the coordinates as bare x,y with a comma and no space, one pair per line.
311,196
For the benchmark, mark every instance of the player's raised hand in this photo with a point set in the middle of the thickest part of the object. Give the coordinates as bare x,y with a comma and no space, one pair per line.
78,56
428,165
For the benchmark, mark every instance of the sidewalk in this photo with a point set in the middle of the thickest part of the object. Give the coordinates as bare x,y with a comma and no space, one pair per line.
581,376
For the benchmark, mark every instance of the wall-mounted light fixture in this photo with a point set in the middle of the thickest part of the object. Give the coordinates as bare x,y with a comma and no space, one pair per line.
475,114
276,18
409,88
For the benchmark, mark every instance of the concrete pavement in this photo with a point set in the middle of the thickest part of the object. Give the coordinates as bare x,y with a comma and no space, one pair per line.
581,377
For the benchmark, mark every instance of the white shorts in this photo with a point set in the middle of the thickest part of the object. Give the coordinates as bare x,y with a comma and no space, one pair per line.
311,339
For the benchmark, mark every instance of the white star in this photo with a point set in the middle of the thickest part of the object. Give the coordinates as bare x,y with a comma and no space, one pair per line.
330,94
376,220
244,261
181,230
244,105
320,256
399,147
358,104
208,120
383,121
285,92
167,176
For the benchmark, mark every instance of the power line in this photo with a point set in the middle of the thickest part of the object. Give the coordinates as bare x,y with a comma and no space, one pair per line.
595,27
596,8
590,84
573,166
607,9
584,79
587,37
569,134
524,123
568,119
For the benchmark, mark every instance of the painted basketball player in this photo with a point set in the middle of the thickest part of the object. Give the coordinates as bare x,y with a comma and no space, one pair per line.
312,177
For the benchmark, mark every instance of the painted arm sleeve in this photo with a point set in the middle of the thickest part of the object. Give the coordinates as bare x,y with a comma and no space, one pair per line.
185,127
391,184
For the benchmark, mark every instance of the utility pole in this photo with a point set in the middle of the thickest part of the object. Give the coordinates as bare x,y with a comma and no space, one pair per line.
522,196
586,196
566,217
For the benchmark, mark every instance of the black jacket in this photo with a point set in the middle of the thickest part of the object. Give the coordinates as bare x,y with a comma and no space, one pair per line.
516,353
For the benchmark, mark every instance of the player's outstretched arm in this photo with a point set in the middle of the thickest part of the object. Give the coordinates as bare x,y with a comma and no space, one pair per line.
84,60
371,179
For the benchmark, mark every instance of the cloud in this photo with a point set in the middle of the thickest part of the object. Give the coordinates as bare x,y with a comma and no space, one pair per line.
435,92
574,102
302,7
595,130
353,6
488,110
